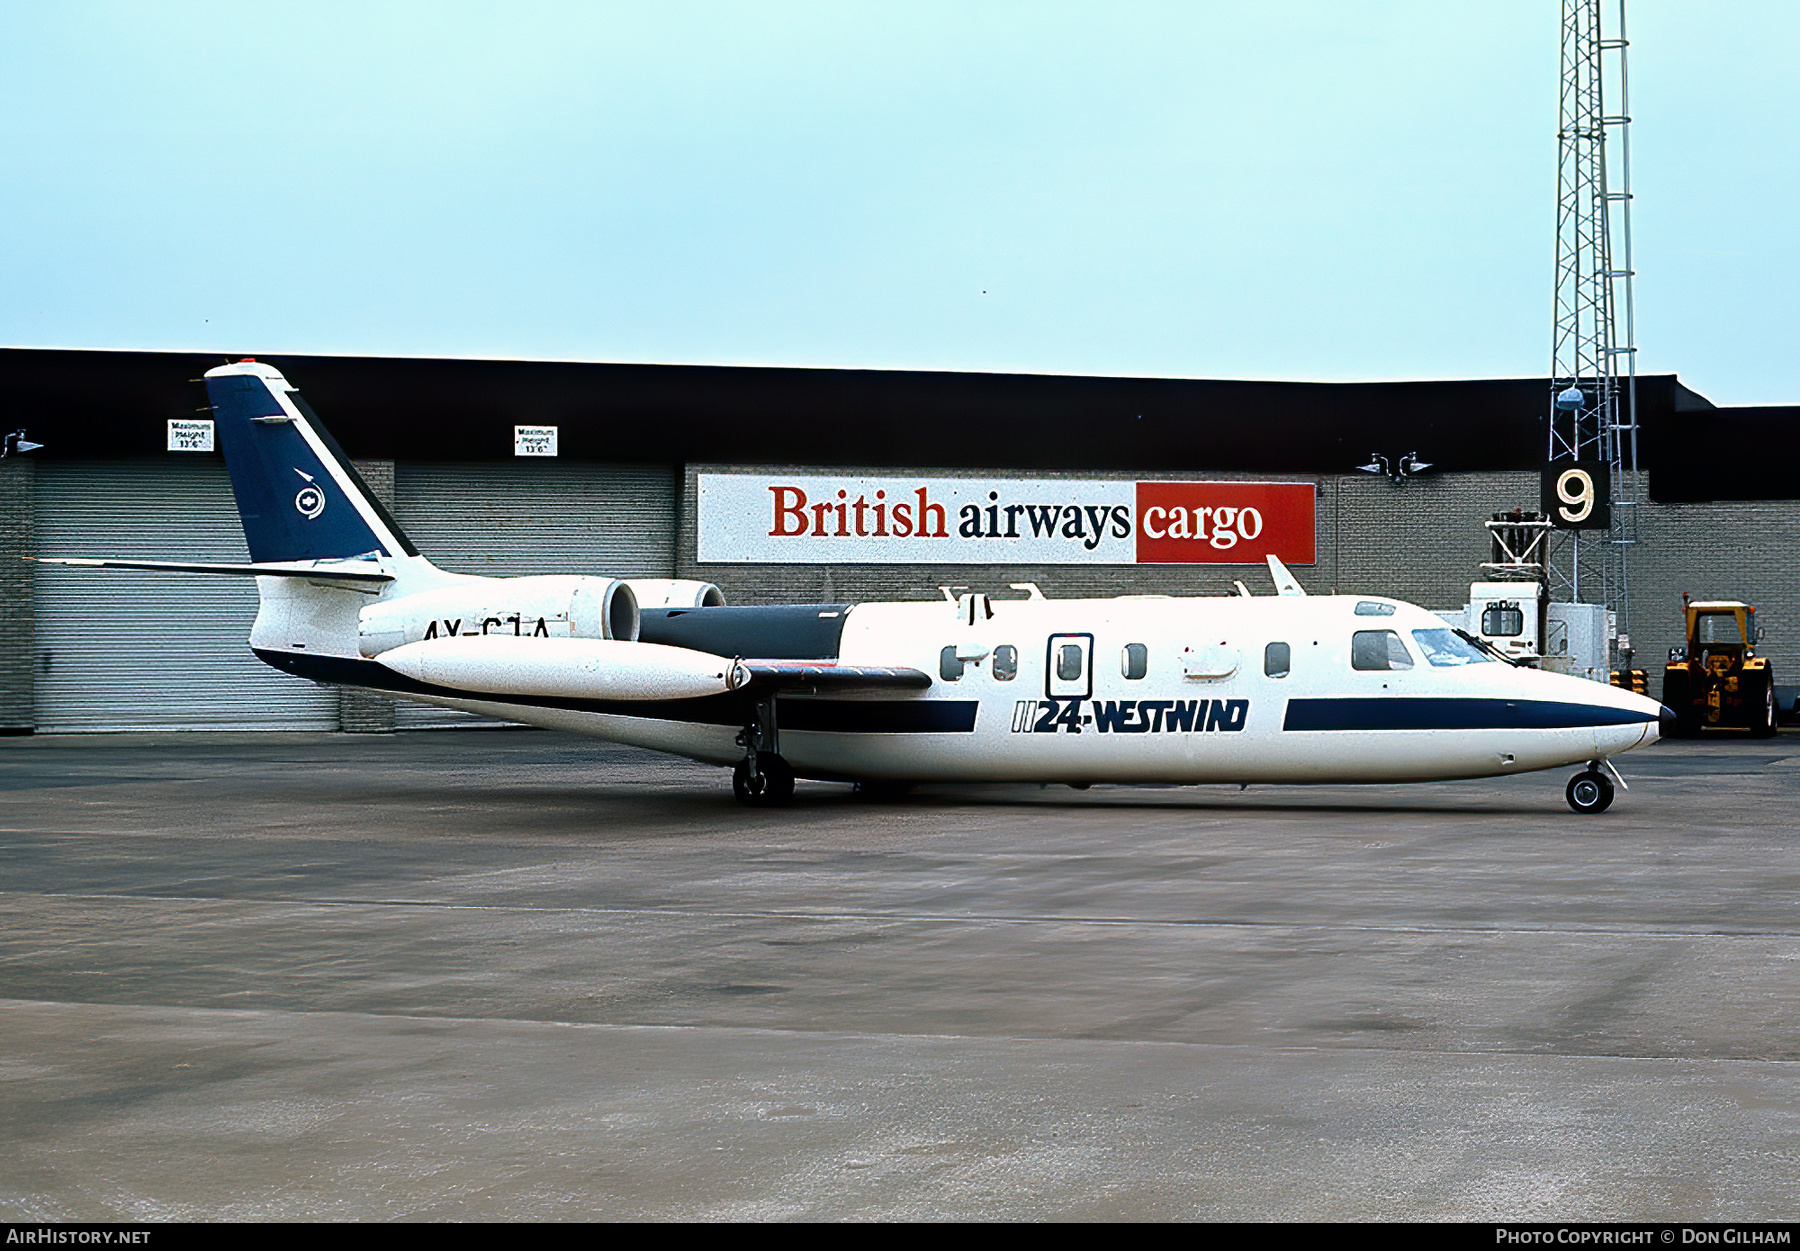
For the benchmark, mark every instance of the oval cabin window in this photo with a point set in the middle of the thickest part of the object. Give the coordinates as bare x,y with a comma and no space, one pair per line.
1136,661
1276,660
1006,663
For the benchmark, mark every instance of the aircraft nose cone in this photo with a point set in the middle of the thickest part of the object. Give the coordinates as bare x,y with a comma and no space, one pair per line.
1665,721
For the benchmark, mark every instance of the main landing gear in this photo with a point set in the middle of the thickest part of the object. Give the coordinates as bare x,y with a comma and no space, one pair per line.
1590,791
762,778
770,785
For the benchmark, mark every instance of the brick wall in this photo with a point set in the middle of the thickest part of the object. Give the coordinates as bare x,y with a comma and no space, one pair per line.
17,602
1421,541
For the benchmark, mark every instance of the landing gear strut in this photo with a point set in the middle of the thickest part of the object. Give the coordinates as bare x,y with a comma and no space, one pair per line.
1590,791
762,778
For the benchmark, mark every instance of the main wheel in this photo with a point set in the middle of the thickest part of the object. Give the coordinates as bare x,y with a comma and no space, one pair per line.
1590,791
1765,712
772,786
749,790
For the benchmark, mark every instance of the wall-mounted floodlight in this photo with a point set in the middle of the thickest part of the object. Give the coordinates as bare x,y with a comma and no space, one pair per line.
16,442
1398,469
1410,464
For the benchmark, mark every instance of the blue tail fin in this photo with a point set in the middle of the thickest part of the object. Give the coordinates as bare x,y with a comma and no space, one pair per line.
297,494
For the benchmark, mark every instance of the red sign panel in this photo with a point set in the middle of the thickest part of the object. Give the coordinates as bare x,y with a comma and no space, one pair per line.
1224,523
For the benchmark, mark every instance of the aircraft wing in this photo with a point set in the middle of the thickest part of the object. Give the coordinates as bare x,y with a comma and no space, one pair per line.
829,675
329,573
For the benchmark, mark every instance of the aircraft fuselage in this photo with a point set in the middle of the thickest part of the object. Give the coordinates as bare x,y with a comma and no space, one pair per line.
1130,690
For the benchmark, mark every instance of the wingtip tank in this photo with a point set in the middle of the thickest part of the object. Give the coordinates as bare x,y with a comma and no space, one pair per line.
562,668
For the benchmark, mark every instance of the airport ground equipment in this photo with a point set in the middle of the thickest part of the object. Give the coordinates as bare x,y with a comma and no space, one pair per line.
1716,680
1511,612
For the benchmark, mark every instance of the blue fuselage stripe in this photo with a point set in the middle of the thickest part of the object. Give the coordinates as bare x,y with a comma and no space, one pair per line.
1403,713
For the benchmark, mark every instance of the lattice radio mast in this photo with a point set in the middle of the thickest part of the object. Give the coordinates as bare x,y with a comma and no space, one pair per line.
1593,393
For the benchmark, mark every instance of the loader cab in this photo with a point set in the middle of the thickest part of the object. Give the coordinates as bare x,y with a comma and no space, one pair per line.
1725,630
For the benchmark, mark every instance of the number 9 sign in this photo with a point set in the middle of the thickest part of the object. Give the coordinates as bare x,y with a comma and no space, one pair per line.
1575,494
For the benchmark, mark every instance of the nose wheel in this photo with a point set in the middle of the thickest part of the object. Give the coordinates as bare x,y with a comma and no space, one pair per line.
1590,791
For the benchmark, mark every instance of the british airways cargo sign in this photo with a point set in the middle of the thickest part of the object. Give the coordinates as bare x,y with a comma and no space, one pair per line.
818,519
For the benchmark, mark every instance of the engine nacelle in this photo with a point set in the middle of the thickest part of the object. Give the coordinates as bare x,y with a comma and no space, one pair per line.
675,593
548,606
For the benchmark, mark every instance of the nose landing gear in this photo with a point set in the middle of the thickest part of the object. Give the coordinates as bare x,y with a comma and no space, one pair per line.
1590,791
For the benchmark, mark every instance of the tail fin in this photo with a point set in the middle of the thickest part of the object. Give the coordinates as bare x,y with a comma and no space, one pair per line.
297,494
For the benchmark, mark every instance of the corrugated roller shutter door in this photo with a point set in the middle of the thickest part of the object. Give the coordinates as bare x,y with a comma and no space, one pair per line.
508,520
119,650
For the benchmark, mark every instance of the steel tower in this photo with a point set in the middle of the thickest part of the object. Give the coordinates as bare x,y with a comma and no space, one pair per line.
1593,371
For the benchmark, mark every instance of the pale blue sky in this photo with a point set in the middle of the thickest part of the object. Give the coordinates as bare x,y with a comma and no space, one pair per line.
1306,191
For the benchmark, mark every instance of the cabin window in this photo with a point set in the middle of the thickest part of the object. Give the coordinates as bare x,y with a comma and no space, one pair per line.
1006,662
949,667
1068,662
1502,621
1277,658
1373,608
1136,661
1378,649
1447,649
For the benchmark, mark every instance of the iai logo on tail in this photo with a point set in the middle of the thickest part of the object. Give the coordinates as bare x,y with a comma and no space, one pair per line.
310,501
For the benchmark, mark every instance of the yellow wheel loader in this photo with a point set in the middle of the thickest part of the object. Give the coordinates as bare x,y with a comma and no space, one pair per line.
1717,681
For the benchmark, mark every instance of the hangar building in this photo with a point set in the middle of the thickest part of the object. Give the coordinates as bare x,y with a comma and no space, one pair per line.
731,475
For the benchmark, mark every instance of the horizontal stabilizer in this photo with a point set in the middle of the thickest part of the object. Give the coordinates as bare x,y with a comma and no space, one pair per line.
284,569
829,675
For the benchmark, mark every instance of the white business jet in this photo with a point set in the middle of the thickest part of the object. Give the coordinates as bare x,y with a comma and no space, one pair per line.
1235,689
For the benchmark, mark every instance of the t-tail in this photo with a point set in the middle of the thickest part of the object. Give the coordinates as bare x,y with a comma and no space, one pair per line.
339,583
306,512
298,495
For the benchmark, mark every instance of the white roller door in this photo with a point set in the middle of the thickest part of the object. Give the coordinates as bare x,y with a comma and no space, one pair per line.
120,650
507,520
